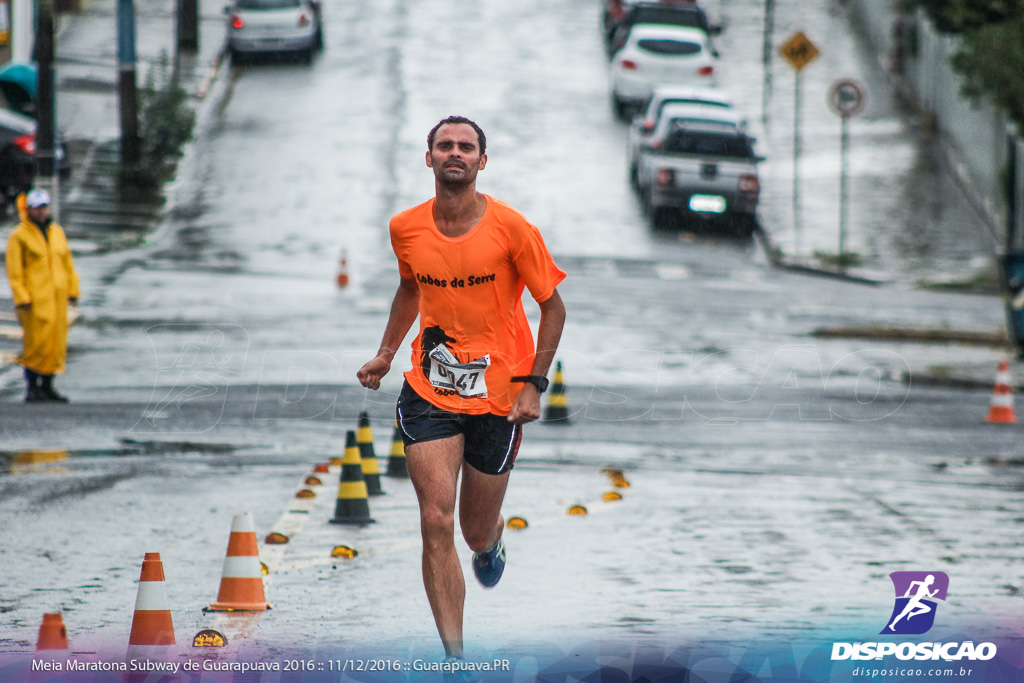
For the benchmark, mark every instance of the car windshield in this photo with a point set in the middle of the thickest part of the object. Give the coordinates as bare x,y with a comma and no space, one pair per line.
668,47
661,105
710,143
678,16
267,4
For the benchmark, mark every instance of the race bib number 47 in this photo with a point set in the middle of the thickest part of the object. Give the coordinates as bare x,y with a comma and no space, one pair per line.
465,379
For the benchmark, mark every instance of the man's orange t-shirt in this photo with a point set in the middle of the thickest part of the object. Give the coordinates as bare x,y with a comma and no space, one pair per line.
474,336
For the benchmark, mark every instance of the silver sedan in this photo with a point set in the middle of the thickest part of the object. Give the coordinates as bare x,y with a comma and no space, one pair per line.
274,26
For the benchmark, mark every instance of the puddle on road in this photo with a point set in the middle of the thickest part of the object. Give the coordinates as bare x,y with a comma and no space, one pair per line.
59,460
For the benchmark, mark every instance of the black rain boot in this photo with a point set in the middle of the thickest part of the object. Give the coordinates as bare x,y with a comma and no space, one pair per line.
33,393
46,386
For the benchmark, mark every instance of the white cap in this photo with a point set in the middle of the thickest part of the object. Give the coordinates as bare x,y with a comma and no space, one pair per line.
37,198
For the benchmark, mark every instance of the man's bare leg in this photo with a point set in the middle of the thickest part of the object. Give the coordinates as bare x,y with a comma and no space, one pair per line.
480,507
434,470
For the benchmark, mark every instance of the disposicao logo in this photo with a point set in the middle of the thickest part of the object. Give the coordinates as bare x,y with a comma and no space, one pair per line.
917,597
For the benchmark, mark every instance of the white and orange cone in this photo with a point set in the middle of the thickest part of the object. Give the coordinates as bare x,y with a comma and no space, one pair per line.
52,647
1001,408
241,584
152,635
343,271
52,634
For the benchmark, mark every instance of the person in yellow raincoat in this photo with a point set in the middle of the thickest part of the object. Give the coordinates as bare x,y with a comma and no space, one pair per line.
44,282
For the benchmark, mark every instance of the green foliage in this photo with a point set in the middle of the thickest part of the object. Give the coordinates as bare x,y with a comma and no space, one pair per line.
166,123
991,52
961,16
847,259
992,60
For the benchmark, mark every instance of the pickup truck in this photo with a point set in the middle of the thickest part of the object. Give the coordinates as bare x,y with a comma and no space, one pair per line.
644,125
702,164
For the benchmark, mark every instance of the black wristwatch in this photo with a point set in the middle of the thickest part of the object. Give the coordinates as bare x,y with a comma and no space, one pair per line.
539,381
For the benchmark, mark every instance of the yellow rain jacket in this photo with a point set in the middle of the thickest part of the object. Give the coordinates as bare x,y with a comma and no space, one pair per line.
41,273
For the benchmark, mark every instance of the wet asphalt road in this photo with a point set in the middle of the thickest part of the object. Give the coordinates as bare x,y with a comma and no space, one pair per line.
777,477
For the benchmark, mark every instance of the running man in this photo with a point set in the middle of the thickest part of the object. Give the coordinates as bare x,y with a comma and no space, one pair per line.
914,606
464,259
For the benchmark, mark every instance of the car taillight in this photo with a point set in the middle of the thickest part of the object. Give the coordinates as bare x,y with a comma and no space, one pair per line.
629,65
26,143
648,126
304,19
236,21
750,183
706,70
665,176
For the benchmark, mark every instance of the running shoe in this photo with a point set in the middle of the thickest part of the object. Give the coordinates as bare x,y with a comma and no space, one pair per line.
456,671
489,564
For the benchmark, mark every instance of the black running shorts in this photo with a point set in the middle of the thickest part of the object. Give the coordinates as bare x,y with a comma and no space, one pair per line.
492,442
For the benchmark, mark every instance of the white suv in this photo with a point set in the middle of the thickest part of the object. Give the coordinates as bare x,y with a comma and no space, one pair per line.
659,55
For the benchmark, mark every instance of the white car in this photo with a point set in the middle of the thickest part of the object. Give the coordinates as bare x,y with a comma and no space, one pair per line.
265,26
643,125
656,55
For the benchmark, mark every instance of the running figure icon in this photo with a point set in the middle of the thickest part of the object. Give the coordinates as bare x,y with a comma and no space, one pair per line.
917,595
915,607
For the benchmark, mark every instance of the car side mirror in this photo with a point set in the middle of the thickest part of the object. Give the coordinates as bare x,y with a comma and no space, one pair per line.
227,9
715,30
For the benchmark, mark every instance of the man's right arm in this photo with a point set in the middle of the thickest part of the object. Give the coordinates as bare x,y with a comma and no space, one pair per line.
404,309
15,274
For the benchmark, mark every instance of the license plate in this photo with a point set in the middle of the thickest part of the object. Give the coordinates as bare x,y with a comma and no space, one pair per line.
707,203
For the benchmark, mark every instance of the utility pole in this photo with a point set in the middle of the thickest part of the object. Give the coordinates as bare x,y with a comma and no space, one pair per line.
46,178
126,85
188,25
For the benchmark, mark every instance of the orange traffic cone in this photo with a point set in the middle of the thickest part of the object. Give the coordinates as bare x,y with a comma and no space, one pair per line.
52,634
343,271
152,634
241,584
1001,408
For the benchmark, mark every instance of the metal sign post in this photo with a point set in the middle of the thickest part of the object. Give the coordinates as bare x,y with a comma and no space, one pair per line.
799,51
766,59
846,98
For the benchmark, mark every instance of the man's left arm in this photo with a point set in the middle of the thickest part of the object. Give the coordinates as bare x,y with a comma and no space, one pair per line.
72,275
526,407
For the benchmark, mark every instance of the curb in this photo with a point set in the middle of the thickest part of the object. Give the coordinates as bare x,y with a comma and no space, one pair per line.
932,379
783,262
917,335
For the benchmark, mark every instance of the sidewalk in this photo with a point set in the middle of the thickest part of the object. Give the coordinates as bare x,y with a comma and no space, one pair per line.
88,106
88,118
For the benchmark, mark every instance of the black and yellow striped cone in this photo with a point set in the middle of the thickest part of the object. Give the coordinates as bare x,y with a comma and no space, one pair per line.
352,507
371,473
557,409
396,461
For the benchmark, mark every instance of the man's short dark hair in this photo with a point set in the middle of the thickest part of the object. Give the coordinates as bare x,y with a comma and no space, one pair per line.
481,138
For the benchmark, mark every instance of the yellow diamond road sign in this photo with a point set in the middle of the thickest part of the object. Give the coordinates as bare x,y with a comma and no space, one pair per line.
799,51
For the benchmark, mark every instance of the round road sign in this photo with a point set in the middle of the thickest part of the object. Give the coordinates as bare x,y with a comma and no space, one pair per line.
847,97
